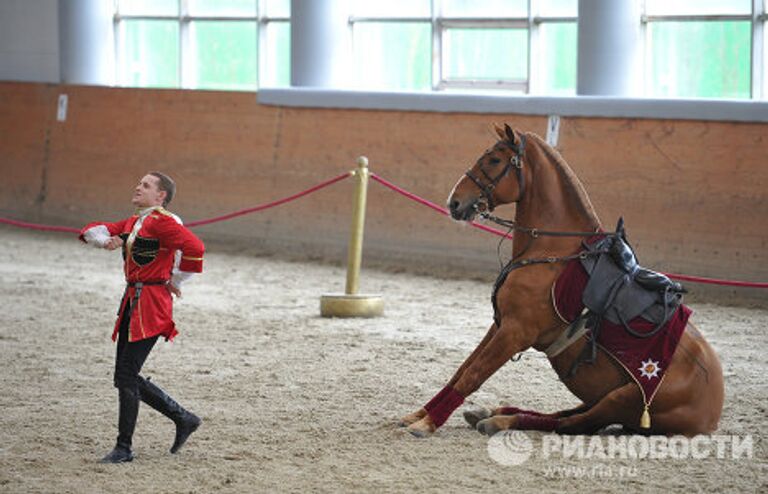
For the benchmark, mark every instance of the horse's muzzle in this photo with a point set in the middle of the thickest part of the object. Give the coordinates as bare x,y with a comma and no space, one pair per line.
463,211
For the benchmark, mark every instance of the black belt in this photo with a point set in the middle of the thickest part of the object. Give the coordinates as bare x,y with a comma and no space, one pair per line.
138,285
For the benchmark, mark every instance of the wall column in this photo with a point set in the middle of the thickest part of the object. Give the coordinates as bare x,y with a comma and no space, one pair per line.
321,47
86,42
610,48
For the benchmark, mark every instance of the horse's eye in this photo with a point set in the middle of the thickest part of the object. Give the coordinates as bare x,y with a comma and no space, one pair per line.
494,161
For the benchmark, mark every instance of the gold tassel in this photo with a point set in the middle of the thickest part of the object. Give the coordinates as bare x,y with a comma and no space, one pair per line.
645,419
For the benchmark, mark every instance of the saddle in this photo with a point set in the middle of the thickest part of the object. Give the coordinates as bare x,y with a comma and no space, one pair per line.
620,290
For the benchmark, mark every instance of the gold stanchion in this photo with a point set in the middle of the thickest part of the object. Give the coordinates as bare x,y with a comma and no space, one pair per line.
350,303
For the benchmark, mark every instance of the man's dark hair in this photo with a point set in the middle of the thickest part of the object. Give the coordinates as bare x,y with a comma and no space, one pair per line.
166,184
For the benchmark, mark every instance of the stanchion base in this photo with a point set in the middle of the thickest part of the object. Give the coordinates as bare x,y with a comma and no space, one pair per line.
343,305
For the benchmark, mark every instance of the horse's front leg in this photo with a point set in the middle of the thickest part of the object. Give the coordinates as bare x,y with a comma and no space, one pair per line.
502,345
620,406
474,416
422,412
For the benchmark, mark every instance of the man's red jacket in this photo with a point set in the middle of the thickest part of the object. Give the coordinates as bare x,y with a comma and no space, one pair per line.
149,258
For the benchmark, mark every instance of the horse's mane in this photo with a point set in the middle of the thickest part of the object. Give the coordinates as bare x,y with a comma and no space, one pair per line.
571,181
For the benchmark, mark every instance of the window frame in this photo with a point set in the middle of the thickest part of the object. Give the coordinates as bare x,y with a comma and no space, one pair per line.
184,19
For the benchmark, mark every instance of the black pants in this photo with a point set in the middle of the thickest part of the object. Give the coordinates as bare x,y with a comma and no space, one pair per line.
130,355
128,362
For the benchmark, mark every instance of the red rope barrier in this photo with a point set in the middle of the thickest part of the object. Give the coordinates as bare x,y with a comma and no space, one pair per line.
434,206
272,204
714,281
34,226
443,211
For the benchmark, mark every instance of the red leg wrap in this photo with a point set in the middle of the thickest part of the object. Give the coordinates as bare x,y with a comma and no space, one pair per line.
529,422
436,399
515,410
450,401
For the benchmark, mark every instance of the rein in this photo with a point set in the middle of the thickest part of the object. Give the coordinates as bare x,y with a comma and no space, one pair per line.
536,233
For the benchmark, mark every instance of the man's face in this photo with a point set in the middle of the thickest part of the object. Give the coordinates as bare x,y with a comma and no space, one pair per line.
147,193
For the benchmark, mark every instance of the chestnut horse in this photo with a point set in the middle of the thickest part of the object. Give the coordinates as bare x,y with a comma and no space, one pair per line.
523,169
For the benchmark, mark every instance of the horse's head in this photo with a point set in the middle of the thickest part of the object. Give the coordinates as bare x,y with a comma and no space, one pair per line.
489,182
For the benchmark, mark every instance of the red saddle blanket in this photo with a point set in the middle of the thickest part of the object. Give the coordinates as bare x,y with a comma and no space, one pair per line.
645,359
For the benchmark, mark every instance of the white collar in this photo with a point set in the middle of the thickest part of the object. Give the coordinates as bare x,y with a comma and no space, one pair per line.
141,213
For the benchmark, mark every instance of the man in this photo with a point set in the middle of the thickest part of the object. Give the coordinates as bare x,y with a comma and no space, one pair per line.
159,254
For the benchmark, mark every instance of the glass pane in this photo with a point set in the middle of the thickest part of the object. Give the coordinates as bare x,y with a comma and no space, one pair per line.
701,7
223,8
559,8
765,64
486,8
699,59
277,65
278,8
151,53
557,58
393,55
149,7
489,54
392,8
224,54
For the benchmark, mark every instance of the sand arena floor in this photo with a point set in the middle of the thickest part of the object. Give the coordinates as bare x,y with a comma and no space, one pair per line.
294,402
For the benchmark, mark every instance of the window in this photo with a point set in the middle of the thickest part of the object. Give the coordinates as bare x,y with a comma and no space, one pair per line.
150,53
760,49
465,44
702,49
392,44
392,55
203,44
472,57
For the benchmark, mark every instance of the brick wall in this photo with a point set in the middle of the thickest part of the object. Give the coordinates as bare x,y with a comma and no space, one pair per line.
694,194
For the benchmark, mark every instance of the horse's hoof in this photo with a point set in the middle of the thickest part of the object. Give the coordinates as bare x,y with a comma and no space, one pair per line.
476,415
488,427
412,418
418,433
422,428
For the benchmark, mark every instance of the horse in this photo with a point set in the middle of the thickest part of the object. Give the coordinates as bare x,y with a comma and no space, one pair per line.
549,197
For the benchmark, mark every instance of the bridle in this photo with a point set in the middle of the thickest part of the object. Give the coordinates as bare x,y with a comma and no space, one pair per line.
486,189
516,162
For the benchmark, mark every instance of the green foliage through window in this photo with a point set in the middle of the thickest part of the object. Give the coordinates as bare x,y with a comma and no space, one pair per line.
706,59
393,55
486,54
151,53
558,57
224,54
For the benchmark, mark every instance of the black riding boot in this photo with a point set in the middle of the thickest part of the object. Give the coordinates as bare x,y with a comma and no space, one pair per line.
126,423
186,422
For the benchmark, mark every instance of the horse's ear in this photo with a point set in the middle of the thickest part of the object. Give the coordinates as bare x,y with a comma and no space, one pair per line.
510,134
499,131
